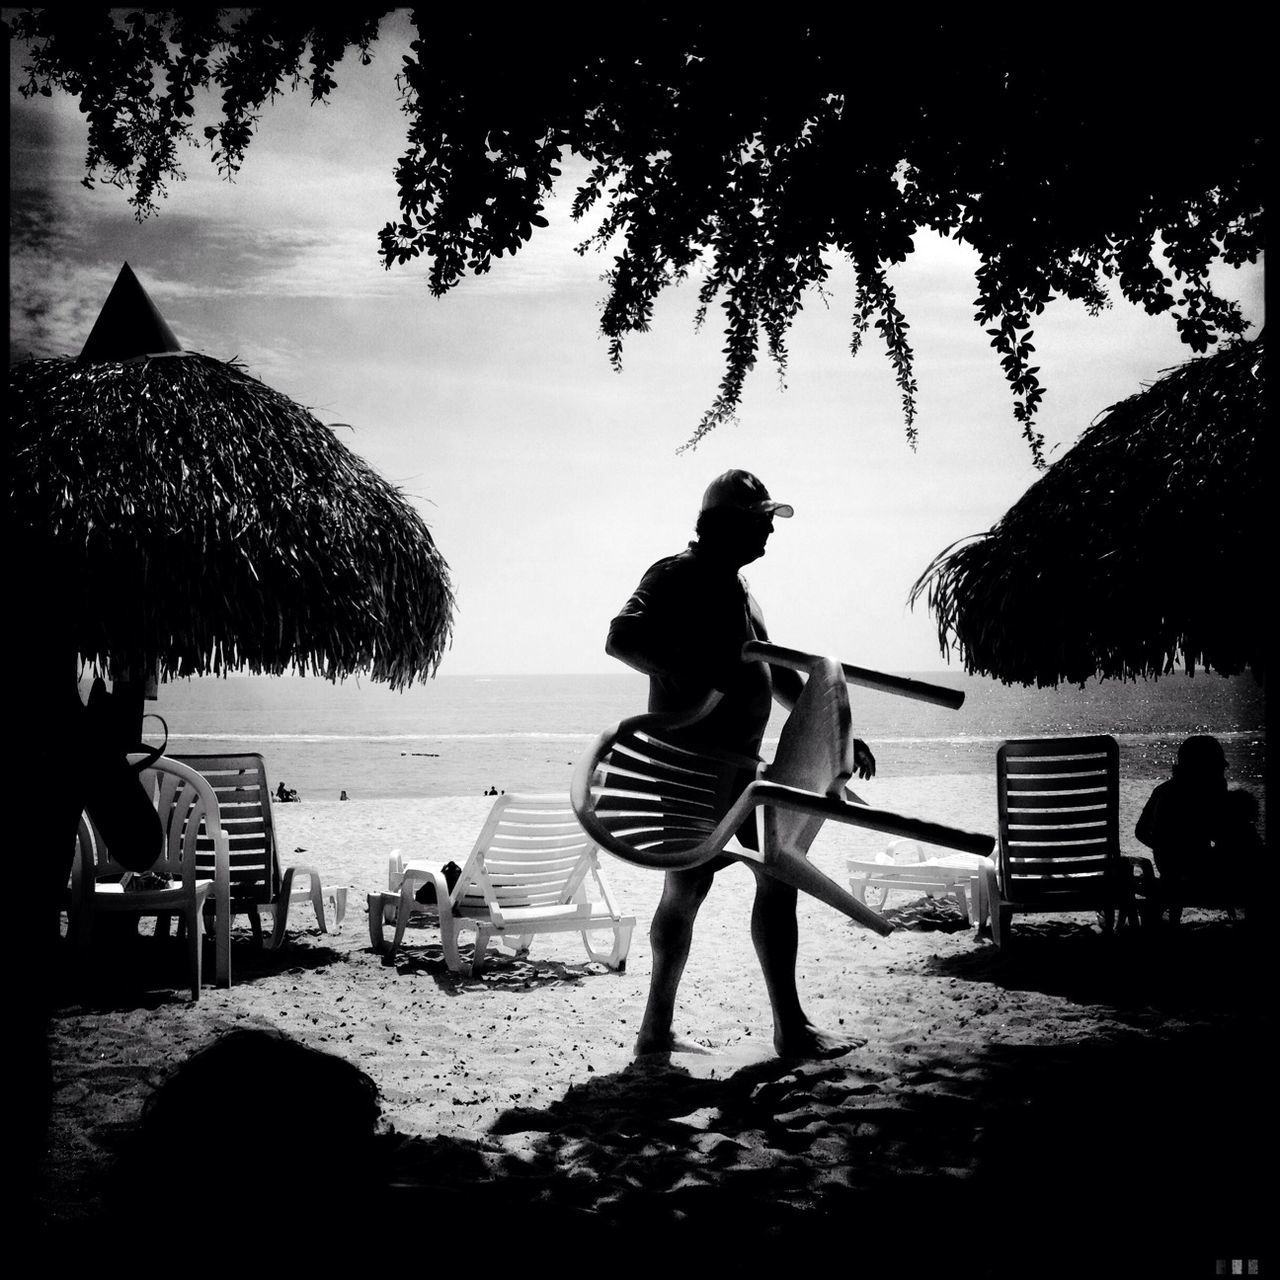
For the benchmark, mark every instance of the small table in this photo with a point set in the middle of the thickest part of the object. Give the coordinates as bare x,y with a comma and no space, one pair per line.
336,896
382,910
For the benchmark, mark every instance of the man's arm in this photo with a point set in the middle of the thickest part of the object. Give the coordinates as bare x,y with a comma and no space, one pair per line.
643,638
630,642
659,632
650,650
643,635
787,685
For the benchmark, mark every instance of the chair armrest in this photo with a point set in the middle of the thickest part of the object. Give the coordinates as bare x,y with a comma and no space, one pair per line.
395,871
784,797
303,869
416,875
777,655
606,893
1141,875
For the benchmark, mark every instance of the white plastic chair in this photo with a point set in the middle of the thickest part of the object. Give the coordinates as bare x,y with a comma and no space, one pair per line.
189,815
648,798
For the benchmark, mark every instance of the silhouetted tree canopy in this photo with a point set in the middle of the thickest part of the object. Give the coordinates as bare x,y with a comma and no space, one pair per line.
746,156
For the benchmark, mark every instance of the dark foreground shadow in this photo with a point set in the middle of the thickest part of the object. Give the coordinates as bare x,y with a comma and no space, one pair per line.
1135,1156
1211,966
132,971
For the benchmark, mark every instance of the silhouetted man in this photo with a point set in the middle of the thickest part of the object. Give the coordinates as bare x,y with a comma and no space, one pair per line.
684,627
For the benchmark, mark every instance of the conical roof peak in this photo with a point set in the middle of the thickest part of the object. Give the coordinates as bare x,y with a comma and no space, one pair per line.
129,325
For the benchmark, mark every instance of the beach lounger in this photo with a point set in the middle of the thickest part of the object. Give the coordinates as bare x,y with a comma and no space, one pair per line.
1058,802
649,800
527,874
904,865
258,886
180,883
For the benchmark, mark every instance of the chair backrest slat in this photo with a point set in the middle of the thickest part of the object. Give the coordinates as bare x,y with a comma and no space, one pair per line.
531,852
650,798
636,757
239,782
652,746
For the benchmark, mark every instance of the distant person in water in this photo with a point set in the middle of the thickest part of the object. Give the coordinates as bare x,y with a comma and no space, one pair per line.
1192,821
684,627
343,796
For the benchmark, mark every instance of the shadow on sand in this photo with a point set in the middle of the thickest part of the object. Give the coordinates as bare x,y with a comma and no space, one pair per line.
1131,1153
499,970
134,970
1210,966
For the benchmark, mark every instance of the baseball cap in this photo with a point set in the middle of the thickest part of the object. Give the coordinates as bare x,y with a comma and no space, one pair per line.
741,491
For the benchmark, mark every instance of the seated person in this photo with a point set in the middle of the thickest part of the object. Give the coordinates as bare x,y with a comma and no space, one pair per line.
1192,818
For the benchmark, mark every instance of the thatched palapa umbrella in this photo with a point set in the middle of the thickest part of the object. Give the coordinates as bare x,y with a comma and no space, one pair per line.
190,519
1138,550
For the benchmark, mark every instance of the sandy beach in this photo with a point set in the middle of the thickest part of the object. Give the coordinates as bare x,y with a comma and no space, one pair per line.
1077,1105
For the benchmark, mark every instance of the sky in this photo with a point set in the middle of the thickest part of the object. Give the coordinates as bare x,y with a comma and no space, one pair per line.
549,481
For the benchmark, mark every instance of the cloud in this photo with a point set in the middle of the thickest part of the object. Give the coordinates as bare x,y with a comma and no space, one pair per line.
64,255
54,297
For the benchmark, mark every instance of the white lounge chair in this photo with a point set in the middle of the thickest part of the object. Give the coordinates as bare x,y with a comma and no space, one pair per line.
904,865
527,874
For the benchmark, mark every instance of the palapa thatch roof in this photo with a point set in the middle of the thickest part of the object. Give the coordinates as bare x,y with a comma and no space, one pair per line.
1138,550
191,515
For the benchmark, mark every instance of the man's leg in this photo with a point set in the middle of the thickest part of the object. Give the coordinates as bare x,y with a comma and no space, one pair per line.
670,936
776,937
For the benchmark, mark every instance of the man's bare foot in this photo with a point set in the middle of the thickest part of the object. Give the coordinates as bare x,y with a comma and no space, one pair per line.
809,1041
648,1044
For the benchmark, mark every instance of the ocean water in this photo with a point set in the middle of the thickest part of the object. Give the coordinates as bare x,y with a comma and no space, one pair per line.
460,735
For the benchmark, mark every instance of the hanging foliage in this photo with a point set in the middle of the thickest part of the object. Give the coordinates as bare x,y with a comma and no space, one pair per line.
747,157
